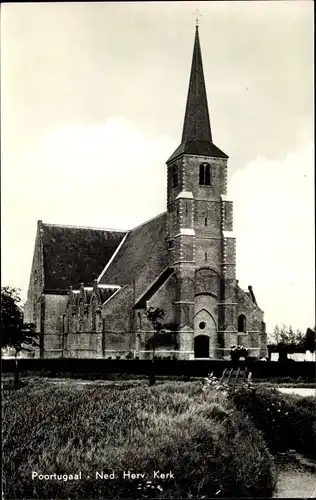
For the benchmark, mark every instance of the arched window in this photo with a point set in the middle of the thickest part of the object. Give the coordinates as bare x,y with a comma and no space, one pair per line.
205,174
202,177
174,176
241,323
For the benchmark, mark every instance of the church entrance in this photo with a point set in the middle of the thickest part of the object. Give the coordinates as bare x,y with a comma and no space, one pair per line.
201,346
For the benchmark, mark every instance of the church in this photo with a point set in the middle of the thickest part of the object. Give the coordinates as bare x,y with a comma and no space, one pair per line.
89,288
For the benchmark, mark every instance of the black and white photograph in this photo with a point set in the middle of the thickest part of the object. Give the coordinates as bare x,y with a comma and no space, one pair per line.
158,250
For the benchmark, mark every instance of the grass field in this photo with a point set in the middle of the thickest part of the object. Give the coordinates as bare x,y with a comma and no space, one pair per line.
210,448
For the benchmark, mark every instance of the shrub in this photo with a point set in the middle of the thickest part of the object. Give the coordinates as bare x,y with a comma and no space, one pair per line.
237,352
211,449
287,421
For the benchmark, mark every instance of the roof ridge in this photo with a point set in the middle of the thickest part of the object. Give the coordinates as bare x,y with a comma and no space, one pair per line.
147,221
87,227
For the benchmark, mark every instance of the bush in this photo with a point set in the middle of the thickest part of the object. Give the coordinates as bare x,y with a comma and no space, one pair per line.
211,448
287,421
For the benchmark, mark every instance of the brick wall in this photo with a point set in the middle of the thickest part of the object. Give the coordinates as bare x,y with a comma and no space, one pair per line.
227,215
54,308
256,337
206,320
116,312
191,168
36,281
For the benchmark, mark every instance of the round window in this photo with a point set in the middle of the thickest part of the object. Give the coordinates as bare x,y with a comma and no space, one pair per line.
202,325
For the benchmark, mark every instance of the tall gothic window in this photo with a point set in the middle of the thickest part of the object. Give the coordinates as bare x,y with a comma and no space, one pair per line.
174,176
241,323
205,174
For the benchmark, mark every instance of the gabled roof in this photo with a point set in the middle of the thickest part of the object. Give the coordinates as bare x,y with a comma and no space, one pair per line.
74,255
136,250
154,287
196,135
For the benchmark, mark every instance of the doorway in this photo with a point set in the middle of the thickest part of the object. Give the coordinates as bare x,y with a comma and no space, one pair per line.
202,346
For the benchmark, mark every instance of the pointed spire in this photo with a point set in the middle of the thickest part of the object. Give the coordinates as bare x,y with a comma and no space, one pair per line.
196,134
196,121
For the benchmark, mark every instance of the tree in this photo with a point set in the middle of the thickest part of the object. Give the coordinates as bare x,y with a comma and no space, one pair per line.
15,333
285,340
309,340
286,335
155,316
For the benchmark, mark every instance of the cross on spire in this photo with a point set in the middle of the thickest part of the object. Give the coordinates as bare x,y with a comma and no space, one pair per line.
197,14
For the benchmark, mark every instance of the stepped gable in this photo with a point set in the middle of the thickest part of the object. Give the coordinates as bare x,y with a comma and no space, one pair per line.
136,250
74,255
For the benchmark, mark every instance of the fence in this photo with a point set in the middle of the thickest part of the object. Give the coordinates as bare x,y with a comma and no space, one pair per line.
194,368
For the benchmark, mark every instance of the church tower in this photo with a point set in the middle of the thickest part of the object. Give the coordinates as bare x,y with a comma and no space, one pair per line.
202,255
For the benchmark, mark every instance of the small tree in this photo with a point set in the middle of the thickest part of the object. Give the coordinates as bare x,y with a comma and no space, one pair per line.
155,316
309,340
15,333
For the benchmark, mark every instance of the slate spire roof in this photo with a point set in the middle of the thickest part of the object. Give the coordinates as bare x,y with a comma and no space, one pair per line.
196,134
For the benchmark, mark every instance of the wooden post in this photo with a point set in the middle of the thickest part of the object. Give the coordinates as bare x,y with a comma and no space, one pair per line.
230,375
237,375
223,375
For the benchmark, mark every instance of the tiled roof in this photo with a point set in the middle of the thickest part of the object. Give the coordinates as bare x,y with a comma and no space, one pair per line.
198,147
74,255
136,250
164,276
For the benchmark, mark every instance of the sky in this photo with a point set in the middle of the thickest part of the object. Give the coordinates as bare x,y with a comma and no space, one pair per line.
92,105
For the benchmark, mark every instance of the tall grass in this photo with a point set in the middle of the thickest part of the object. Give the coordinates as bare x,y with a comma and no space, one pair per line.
286,420
210,448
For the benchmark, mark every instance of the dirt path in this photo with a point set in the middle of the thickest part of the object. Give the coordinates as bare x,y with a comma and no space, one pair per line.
300,391
297,478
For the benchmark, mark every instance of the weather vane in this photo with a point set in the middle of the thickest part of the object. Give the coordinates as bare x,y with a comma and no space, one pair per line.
197,14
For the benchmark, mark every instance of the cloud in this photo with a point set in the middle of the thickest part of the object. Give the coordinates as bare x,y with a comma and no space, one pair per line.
274,225
113,175
101,175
